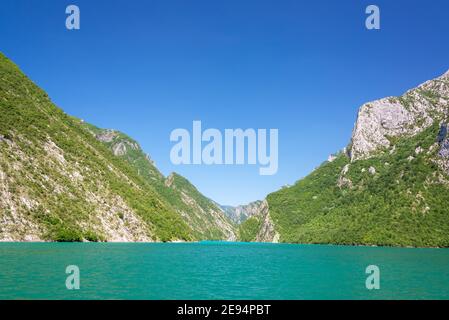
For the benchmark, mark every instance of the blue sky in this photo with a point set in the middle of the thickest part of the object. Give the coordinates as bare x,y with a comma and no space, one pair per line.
303,67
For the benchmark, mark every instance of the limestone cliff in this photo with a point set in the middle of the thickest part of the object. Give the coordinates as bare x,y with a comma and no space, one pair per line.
259,227
240,214
390,186
380,121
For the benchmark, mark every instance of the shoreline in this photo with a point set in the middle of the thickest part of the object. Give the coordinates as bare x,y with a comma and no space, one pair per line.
223,242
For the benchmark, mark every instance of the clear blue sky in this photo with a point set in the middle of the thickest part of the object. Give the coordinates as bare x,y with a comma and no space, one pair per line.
304,67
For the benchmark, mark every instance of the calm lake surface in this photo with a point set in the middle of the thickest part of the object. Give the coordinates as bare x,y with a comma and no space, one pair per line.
213,270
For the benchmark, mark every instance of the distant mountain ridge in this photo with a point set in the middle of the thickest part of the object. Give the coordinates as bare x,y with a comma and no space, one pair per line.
241,213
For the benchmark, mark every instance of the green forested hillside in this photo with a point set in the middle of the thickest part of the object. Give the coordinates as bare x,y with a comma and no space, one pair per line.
207,221
249,229
63,179
58,182
390,186
202,213
404,203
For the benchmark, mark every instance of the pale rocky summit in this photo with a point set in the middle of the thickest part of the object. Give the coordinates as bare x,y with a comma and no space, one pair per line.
387,118
393,151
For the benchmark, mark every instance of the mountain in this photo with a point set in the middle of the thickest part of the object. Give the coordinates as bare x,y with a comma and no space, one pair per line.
241,213
390,186
200,212
253,221
204,217
259,227
62,179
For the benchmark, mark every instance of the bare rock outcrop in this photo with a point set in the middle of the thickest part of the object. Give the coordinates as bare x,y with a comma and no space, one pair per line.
416,110
106,135
443,142
241,213
267,232
344,182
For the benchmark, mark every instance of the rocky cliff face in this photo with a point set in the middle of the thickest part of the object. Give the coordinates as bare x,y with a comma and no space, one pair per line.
120,146
259,227
443,148
241,213
267,231
390,186
65,180
381,121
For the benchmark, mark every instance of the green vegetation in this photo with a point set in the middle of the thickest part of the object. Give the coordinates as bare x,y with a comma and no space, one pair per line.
77,183
248,230
59,182
200,213
405,203
70,176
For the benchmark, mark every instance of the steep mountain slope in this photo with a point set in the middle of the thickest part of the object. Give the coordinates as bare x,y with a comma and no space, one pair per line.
391,187
199,211
259,227
203,216
60,181
65,180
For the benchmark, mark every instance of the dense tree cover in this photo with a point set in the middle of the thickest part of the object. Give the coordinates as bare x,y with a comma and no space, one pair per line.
200,212
405,203
249,229
29,120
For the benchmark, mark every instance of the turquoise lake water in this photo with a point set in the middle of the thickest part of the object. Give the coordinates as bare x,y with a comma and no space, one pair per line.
212,270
